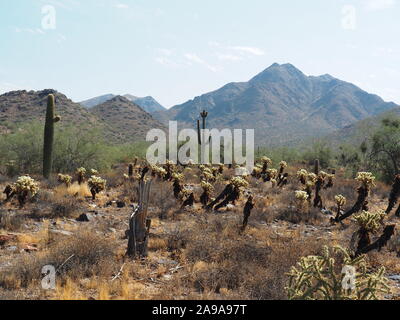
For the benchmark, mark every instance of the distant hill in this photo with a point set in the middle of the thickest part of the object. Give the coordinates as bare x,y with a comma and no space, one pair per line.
124,116
148,104
358,132
283,105
122,122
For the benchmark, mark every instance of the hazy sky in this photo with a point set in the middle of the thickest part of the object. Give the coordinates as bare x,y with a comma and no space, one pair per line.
175,50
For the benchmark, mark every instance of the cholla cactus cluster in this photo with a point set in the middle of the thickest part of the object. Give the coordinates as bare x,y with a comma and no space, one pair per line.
81,173
257,171
23,188
207,174
206,195
272,173
96,185
367,179
64,178
158,171
302,174
283,164
340,200
93,172
178,176
302,198
26,184
370,221
206,186
266,161
239,182
320,278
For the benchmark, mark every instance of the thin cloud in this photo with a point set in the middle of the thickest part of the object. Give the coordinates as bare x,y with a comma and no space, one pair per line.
196,59
250,50
29,30
229,57
121,6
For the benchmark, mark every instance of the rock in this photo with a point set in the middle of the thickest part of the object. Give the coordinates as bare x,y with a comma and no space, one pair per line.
395,277
85,217
29,248
12,248
167,261
327,212
62,232
5,239
121,204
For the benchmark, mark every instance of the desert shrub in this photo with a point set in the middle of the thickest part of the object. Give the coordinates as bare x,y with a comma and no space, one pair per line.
65,207
321,151
229,261
11,221
161,197
82,256
74,147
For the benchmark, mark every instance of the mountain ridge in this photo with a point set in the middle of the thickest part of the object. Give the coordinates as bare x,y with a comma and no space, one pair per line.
282,104
148,104
20,107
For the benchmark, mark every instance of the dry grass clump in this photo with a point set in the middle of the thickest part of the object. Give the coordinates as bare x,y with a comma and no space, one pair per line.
85,255
11,221
161,198
229,266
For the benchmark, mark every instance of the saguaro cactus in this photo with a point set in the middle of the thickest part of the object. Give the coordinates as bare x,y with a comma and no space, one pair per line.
51,119
204,116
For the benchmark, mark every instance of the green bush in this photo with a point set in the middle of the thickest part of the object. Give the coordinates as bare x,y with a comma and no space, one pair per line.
74,147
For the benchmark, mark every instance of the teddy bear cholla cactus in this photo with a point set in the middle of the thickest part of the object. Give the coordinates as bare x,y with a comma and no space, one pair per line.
206,195
302,198
158,172
367,181
369,222
64,178
23,188
302,174
81,173
340,203
321,278
96,185
366,178
177,185
230,194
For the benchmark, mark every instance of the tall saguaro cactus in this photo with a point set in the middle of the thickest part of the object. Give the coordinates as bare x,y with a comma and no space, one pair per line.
204,116
51,119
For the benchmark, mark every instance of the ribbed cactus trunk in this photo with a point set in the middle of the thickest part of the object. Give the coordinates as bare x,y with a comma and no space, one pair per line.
316,167
49,136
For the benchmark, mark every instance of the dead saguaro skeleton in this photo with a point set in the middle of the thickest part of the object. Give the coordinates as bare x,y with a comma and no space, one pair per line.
139,225
246,212
394,196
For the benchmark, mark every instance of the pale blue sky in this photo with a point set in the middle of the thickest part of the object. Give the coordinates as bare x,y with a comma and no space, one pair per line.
175,50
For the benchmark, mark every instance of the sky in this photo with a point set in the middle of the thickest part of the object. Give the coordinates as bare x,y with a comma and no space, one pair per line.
175,50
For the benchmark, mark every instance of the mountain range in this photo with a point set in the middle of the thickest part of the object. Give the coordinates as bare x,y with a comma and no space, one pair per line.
148,104
282,104
119,119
